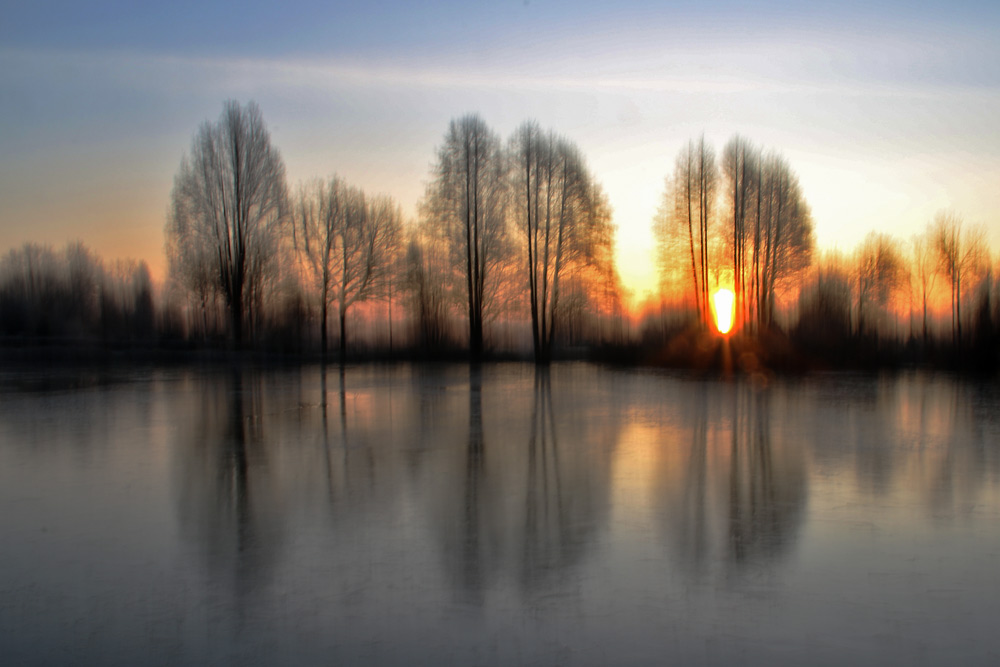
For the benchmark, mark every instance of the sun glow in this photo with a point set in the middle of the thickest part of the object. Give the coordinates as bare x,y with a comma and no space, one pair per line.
723,302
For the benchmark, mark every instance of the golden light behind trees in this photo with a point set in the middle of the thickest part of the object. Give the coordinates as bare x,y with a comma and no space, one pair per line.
513,251
750,224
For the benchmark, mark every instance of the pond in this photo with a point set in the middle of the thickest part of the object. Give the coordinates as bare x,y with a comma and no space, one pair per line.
448,515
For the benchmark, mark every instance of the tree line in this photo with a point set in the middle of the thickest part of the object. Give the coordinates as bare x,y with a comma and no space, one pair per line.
517,228
741,221
935,291
72,295
512,249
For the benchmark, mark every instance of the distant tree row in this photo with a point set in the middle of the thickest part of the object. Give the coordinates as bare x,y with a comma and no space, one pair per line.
518,228
742,222
73,295
513,250
888,289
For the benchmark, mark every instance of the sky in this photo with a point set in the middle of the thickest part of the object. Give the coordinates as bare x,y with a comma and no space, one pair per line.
888,111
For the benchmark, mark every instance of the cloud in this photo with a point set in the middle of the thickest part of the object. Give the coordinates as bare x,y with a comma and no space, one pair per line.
731,73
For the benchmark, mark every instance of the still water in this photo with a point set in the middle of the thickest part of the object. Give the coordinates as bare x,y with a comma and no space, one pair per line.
440,515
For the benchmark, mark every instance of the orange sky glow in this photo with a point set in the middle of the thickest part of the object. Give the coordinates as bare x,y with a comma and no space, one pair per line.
885,121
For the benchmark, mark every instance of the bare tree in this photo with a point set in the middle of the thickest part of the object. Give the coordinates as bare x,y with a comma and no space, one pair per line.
318,214
960,257
370,244
74,294
229,203
825,304
126,301
686,179
556,204
32,289
879,273
707,179
977,278
427,297
687,211
466,203
740,167
674,257
923,275
945,233
771,238
349,245
193,277
83,278
783,234
599,280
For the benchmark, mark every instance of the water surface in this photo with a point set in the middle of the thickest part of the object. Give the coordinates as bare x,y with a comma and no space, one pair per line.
448,515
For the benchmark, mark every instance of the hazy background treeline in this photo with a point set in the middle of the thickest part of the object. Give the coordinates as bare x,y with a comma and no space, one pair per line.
511,253
72,295
741,221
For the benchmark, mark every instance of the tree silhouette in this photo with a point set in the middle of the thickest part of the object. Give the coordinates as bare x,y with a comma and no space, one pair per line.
959,257
427,297
879,273
771,235
349,243
824,305
923,275
686,211
466,203
740,170
74,295
783,233
228,207
559,212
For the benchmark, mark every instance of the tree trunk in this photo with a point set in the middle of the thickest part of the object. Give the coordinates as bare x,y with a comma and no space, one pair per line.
236,319
958,311
690,219
343,334
323,328
925,317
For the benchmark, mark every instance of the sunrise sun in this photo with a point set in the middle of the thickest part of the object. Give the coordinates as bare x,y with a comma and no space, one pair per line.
723,302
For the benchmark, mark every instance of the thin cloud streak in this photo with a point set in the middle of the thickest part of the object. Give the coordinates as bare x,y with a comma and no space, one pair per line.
172,73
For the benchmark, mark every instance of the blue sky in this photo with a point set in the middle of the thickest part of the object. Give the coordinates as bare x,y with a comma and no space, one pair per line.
887,111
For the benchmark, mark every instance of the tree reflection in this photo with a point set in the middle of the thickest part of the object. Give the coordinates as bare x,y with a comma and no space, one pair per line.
561,507
528,509
544,516
766,492
227,505
475,466
690,520
324,402
737,504
958,454
924,436
349,459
